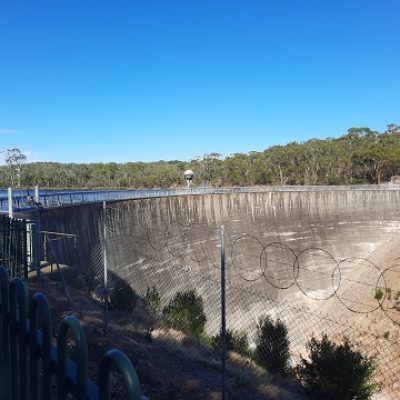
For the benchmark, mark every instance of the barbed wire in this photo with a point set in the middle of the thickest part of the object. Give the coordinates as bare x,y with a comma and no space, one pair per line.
297,266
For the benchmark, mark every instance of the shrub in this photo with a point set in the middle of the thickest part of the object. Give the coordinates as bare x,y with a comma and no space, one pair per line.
379,294
235,341
272,351
386,335
123,297
185,312
336,372
153,300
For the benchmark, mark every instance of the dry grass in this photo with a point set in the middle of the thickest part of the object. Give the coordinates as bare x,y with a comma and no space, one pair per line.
169,363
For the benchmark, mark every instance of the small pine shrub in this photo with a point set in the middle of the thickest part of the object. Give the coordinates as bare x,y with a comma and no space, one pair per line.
186,313
336,372
272,351
153,300
235,341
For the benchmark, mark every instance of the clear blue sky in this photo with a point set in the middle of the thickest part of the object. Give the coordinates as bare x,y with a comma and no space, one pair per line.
87,81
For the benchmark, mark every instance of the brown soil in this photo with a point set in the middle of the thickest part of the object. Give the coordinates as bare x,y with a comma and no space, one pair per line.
169,364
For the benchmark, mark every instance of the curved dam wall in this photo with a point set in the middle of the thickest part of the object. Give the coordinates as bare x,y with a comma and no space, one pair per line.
344,222
300,256
280,245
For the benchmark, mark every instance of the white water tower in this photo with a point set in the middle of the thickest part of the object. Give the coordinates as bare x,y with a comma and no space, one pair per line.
188,175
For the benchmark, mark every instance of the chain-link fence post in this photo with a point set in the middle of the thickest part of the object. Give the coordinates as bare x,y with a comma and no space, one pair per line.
105,267
10,203
223,314
36,194
36,244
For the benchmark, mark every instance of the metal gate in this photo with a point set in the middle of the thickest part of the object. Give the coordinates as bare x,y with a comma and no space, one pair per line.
15,245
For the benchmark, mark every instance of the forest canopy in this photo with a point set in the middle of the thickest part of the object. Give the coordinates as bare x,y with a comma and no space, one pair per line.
359,156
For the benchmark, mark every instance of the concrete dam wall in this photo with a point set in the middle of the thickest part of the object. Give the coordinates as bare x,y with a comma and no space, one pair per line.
279,245
308,258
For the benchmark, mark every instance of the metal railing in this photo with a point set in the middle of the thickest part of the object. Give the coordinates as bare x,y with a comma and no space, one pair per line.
29,363
14,245
55,198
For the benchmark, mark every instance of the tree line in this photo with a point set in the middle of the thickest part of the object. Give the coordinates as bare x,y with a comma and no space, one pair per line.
361,155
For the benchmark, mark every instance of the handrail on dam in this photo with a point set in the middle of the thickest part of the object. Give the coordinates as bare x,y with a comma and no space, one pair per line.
56,198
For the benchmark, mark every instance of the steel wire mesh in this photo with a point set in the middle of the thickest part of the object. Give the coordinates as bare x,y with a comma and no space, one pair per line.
312,290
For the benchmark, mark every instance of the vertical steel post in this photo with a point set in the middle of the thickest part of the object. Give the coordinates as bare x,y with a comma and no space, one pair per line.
36,195
10,203
25,248
223,314
36,244
105,267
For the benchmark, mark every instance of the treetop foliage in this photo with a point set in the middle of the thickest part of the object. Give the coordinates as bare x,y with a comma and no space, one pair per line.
361,155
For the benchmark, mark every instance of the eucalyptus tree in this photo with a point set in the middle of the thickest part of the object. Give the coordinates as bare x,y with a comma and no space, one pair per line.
14,159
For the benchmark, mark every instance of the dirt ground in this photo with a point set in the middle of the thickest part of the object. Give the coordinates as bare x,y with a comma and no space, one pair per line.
169,364
172,366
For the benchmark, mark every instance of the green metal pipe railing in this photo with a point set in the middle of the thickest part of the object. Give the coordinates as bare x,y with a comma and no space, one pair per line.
121,362
78,385
40,345
18,336
20,332
4,332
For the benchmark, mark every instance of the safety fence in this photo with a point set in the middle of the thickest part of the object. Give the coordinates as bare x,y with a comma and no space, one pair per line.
22,198
176,266
15,245
31,367
293,273
165,271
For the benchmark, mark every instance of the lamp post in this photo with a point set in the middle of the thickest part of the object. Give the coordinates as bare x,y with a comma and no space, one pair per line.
188,175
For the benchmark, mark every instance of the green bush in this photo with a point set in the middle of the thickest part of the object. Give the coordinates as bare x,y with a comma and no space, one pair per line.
153,300
337,372
235,341
123,297
272,351
185,312
379,294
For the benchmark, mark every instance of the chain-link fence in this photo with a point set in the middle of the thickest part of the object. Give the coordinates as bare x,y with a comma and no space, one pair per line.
154,266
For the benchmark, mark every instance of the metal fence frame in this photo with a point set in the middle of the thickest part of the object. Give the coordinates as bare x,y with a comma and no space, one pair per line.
59,198
14,245
23,345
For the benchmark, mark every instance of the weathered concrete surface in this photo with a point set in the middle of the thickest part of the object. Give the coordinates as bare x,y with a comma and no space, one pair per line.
345,223
298,256
279,244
